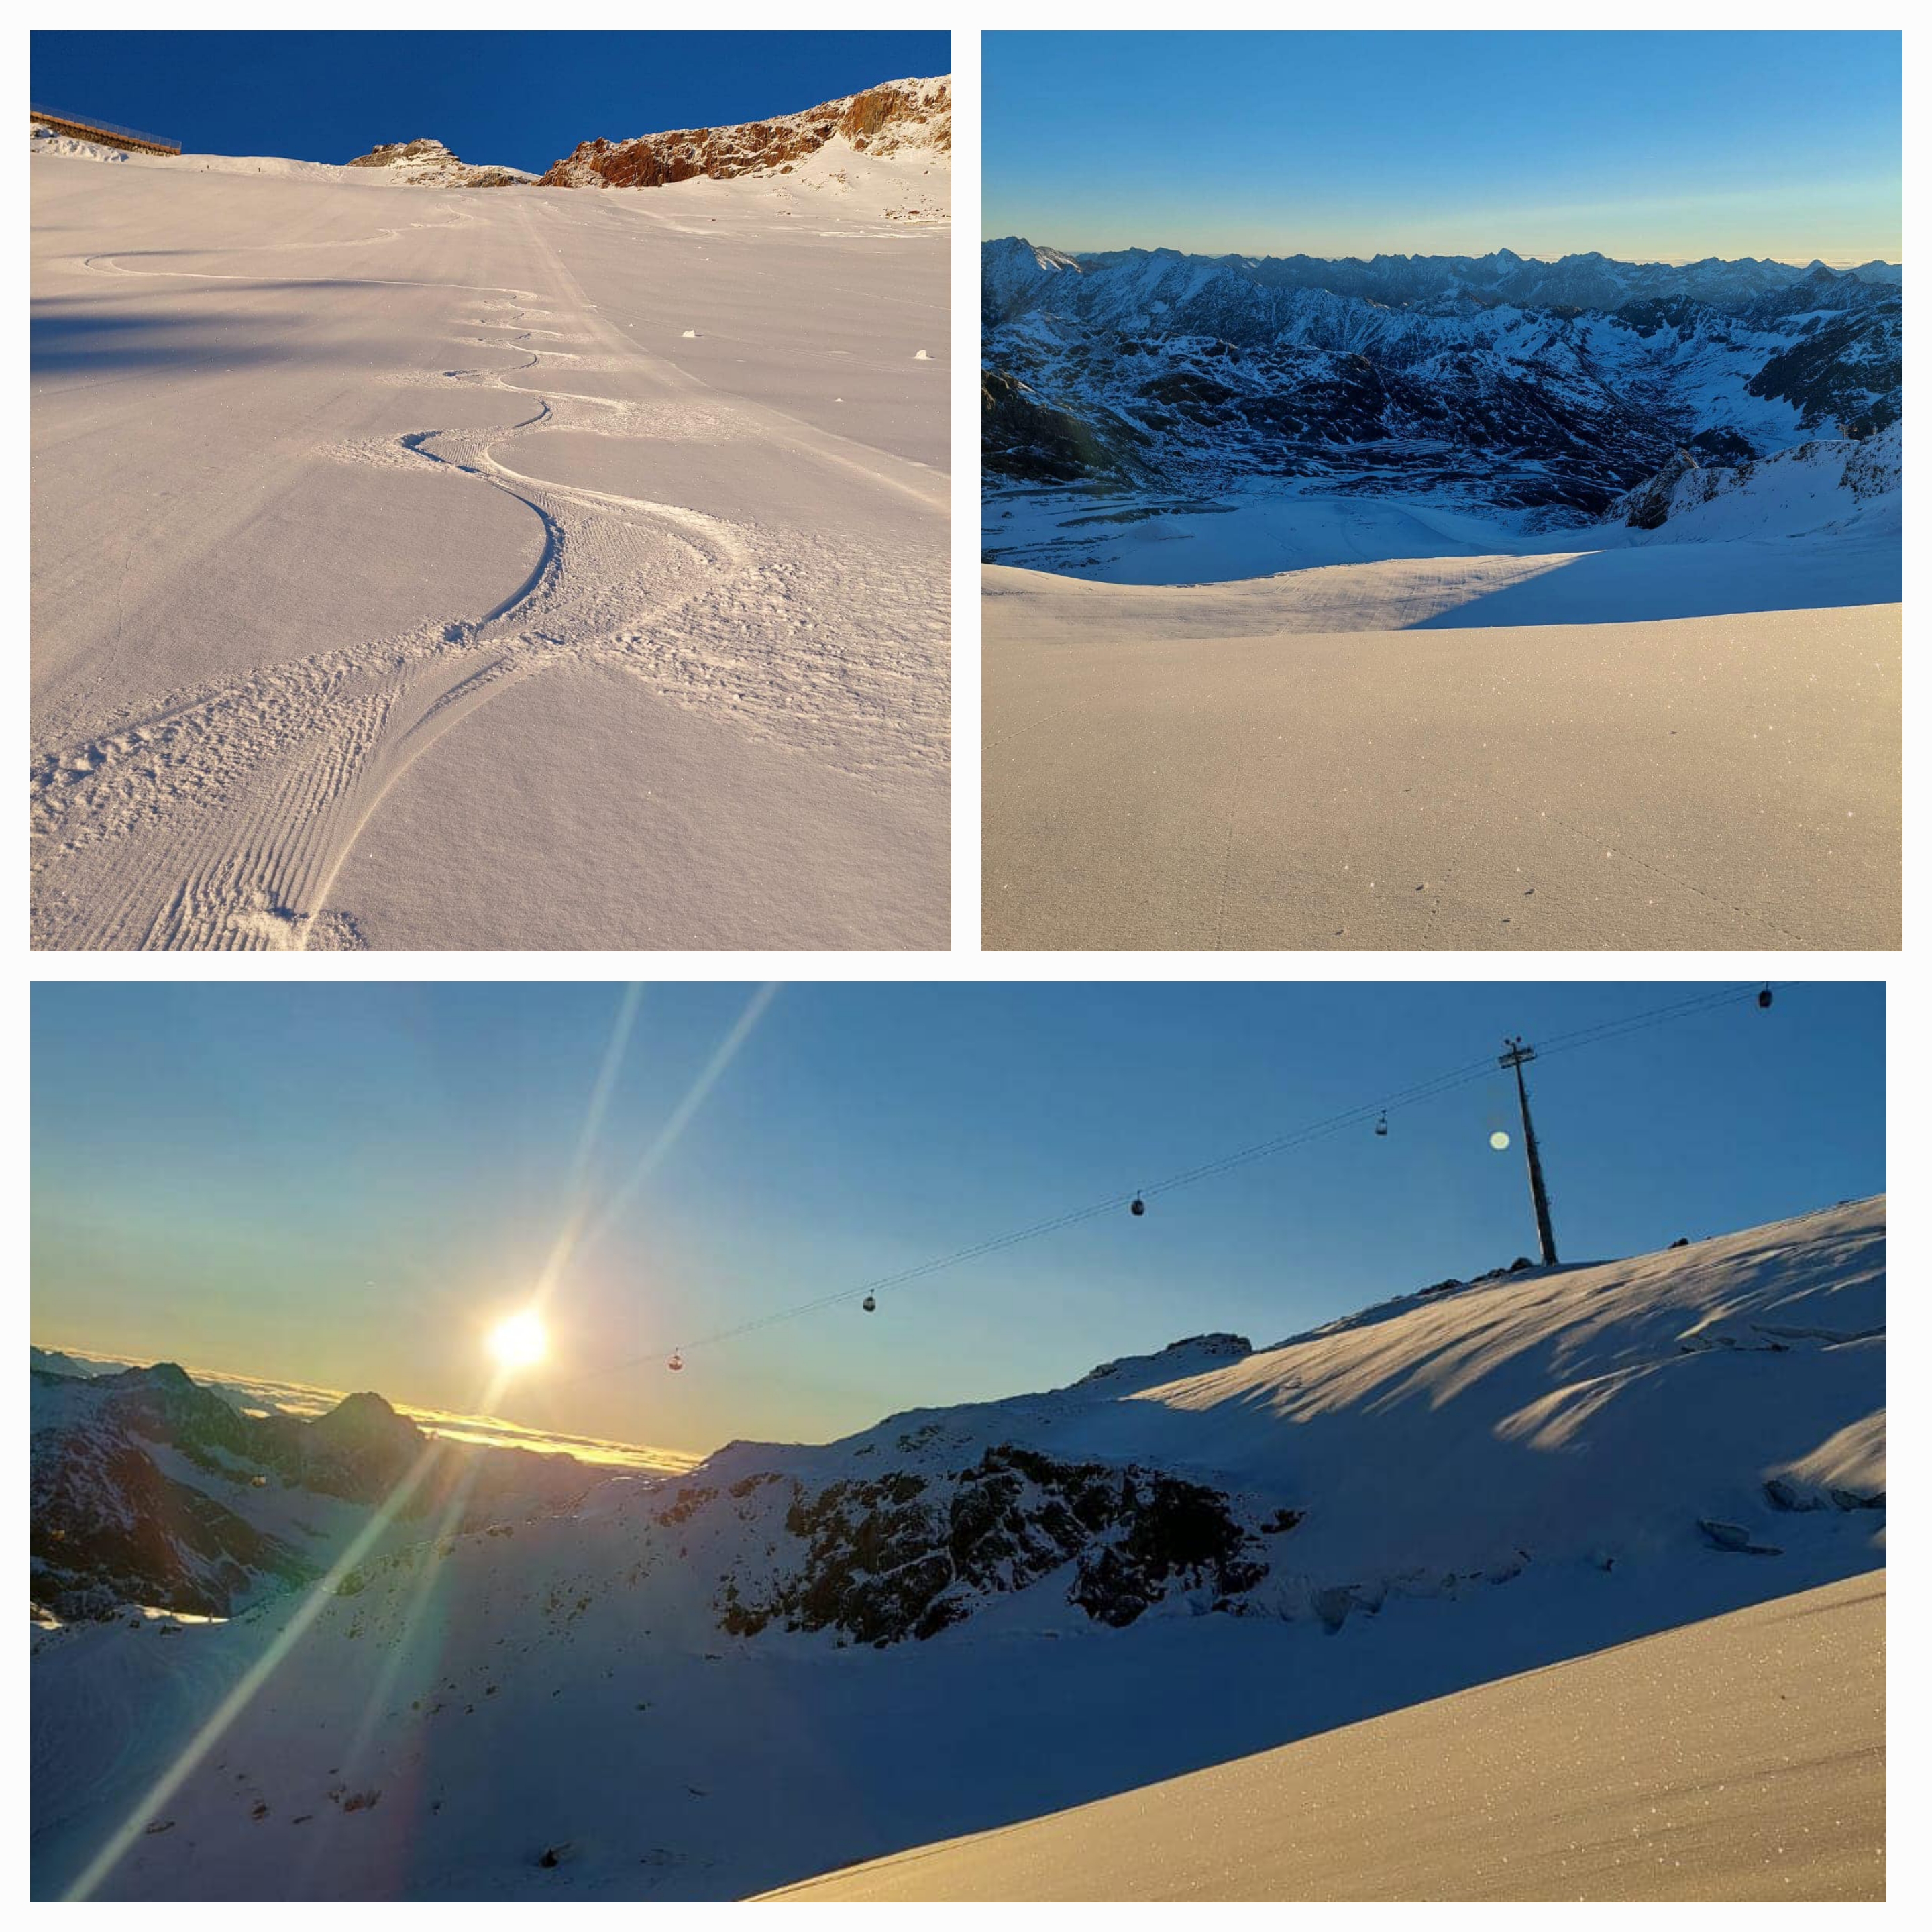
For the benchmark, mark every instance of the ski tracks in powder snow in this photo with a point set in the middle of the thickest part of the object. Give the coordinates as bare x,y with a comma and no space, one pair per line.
219,819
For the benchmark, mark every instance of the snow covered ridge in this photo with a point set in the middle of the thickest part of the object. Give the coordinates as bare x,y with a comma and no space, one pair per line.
908,118
1024,270
1630,1413
1547,388
908,123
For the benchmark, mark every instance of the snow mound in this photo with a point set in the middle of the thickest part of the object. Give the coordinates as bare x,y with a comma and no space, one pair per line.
45,141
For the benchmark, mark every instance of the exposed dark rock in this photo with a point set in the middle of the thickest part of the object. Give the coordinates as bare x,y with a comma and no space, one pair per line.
906,1554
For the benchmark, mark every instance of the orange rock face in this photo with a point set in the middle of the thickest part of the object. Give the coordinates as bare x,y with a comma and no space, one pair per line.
881,120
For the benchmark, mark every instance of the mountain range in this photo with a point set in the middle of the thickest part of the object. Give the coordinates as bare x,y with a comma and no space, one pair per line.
1550,388
906,124
150,1489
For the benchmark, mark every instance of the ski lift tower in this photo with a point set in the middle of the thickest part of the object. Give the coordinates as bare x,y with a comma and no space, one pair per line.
1515,1058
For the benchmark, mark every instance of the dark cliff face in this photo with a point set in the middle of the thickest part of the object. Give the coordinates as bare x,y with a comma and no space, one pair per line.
883,120
907,1554
108,1528
1852,371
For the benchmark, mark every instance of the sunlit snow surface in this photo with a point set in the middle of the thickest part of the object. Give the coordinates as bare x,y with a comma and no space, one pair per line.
1684,735
420,567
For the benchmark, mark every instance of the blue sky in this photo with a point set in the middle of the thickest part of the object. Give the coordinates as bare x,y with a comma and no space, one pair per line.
345,1184
1647,146
523,99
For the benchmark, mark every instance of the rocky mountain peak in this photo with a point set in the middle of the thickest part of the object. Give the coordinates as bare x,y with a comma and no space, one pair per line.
397,153
897,117
426,162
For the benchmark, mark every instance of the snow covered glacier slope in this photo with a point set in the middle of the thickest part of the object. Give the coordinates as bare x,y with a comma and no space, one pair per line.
799,1657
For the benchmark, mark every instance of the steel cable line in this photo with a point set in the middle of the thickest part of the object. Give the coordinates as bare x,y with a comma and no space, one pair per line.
1710,1000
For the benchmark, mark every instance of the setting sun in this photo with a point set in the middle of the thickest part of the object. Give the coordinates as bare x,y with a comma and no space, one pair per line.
519,1340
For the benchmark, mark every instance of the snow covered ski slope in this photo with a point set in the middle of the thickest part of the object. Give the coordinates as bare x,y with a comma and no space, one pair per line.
798,1658
1740,1758
426,567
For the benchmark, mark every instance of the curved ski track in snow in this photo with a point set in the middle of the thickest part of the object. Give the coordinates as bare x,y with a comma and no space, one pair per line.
243,799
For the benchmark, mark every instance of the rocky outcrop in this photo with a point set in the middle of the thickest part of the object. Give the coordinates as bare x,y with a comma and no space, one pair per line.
900,116
1648,506
428,164
1828,477
1028,439
906,1554
108,1528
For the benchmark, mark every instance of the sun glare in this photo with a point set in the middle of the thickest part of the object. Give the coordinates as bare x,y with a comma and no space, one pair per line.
519,1340
1499,1140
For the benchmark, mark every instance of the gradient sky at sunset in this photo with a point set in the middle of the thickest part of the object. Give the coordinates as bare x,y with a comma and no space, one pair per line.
344,1185
1646,146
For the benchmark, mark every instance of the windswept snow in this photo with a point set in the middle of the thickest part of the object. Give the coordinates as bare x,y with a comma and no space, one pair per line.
1270,765
1449,1490
1743,1758
328,466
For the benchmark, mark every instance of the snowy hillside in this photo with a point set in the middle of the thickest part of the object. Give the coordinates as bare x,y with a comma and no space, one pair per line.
561,474
799,1657
1831,486
1546,388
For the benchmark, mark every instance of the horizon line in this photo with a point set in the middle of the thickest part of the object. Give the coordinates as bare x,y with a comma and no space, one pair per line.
433,1417
1387,254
